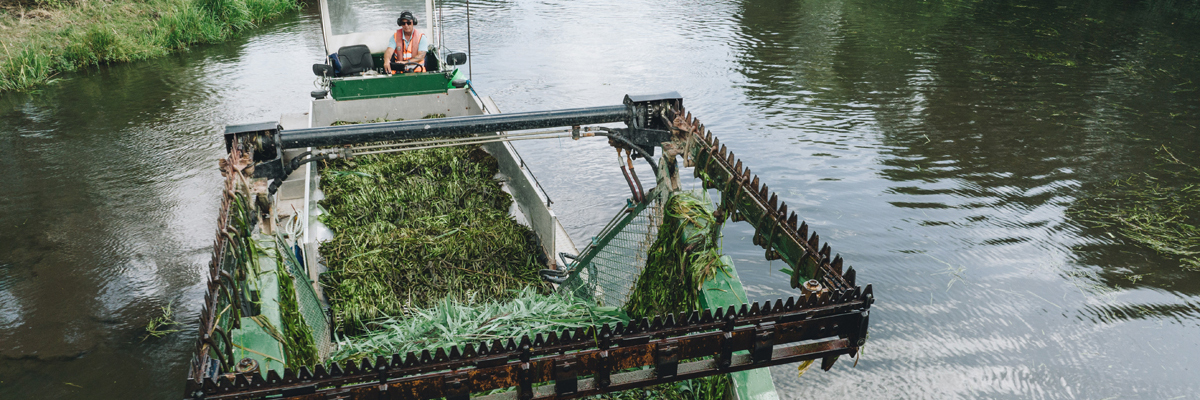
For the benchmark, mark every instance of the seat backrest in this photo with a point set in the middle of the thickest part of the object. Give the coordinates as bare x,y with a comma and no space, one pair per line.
355,59
431,62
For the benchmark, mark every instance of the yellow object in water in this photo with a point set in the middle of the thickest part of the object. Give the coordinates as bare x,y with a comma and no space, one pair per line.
804,366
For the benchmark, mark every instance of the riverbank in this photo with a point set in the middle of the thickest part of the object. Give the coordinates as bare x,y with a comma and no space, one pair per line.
53,36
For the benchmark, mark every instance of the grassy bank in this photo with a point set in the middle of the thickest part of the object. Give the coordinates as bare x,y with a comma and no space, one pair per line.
46,38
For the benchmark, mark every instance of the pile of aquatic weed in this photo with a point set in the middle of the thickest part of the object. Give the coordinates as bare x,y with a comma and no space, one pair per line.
298,345
683,256
44,38
413,227
1158,209
461,323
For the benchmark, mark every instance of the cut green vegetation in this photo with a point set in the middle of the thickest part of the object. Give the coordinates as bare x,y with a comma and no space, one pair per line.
1157,209
459,323
413,227
45,38
298,345
684,253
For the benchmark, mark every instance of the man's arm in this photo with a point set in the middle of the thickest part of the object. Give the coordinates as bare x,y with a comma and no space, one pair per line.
421,46
387,60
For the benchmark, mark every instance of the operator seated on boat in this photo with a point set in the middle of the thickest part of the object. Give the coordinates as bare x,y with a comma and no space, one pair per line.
409,56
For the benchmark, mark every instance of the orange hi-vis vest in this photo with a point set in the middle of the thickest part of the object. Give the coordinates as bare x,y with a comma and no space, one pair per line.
405,49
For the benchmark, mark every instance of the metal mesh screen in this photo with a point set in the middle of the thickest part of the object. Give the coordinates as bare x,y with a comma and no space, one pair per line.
607,269
310,306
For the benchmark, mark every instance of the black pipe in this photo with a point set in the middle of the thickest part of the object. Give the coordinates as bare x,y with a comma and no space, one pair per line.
450,127
644,153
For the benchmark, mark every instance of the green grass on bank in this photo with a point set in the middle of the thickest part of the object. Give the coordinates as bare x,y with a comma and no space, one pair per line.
43,39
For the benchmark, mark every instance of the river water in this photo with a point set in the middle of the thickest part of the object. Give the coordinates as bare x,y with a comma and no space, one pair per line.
936,145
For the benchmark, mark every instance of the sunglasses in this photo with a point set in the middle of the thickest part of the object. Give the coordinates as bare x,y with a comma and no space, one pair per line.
406,22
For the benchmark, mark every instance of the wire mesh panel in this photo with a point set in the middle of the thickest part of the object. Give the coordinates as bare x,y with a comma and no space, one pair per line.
310,306
606,271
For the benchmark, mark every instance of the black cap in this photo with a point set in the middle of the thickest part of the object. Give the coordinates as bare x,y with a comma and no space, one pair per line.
406,15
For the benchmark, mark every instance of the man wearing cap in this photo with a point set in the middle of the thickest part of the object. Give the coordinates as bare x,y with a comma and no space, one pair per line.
406,50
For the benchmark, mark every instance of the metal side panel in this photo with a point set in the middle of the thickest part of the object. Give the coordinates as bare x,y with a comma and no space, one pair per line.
532,201
455,102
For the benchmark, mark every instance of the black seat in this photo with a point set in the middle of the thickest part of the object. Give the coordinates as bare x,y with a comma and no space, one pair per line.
355,59
431,62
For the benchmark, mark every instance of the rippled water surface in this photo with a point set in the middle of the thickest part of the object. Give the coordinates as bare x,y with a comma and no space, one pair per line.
936,145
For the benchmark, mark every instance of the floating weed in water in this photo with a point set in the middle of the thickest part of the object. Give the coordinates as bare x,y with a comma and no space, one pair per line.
161,325
1156,209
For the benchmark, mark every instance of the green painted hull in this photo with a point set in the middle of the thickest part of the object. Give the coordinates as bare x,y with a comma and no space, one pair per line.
392,86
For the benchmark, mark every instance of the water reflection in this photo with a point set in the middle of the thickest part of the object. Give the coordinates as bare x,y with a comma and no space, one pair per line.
936,145
109,200
953,137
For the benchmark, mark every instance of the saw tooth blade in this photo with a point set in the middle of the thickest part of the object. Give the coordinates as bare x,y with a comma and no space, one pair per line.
825,250
814,241
539,340
738,166
803,230
782,212
774,202
754,183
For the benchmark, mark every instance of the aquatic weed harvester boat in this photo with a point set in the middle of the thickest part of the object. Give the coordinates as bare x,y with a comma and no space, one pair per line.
346,228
